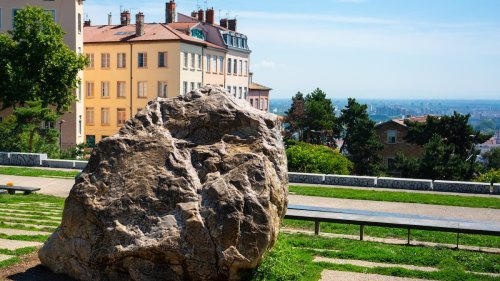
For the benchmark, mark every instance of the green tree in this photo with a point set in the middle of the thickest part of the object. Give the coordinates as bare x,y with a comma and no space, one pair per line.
492,158
449,148
36,65
320,119
295,116
361,143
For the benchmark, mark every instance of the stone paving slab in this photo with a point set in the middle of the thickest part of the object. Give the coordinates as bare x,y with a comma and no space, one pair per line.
374,264
5,257
331,275
29,225
14,244
7,218
11,231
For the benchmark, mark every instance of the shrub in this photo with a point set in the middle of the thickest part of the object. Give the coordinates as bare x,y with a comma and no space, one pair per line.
492,176
309,158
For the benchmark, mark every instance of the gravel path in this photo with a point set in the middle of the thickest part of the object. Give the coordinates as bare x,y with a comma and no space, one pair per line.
374,264
50,186
483,214
5,257
331,275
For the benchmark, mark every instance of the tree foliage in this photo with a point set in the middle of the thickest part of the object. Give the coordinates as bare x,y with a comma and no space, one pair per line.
309,158
492,176
361,143
449,149
313,117
492,158
36,65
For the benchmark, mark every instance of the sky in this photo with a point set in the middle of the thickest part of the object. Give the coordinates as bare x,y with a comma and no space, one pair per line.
367,49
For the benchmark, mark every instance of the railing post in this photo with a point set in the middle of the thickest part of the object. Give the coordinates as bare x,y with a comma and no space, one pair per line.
361,232
316,227
409,229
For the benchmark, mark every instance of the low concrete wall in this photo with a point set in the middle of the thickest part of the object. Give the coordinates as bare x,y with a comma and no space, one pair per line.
80,165
350,180
52,163
462,187
4,158
26,159
496,188
306,178
399,183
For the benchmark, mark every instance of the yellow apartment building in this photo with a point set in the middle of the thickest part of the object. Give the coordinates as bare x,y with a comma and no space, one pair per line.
68,14
133,64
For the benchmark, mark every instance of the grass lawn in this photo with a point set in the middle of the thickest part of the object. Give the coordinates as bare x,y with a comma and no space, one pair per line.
30,172
292,259
390,196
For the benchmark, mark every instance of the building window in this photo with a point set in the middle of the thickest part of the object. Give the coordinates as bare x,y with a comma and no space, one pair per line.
229,68
200,60
162,89
257,103
185,65
121,89
90,57
215,64
89,89
162,59
261,104
122,60
208,63
391,136
142,88
105,58
121,115
79,23
235,89
241,92
251,102
245,93
184,87
142,60
105,116
241,68
391,164
221,65
51,13
192,86
246,68
235,71
193,60
89,116
90,140
199,85
105,89
229,89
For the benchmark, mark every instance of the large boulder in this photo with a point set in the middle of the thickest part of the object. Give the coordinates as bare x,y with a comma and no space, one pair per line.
192,188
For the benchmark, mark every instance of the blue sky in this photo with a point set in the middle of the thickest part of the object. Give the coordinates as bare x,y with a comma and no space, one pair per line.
400,49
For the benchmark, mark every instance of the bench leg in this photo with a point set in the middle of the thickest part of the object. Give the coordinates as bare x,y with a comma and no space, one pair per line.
409,229
12,192
27,192
316,227
361,232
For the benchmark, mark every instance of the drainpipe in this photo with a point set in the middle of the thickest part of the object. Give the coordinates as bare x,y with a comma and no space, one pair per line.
131,79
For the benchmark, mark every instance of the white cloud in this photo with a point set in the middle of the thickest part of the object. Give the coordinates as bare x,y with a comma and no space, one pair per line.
265,64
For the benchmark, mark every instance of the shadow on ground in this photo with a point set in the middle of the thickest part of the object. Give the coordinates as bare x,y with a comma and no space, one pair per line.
39,273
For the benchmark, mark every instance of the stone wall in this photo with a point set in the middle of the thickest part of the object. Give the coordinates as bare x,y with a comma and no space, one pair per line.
350,180
306,178
462,187
399,183
66,164
22,159
496,189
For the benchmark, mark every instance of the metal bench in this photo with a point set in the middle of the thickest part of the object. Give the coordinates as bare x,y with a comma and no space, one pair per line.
12,189
395,220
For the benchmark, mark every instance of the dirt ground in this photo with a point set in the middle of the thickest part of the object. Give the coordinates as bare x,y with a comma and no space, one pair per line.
30,269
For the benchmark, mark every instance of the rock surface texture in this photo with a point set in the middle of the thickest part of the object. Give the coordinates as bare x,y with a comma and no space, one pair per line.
192,188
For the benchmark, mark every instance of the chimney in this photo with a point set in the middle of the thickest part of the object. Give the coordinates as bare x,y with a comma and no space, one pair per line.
125,18
231,24
139,24
87,23
223,23
194,14
109,19
210,16
201,16
170,12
